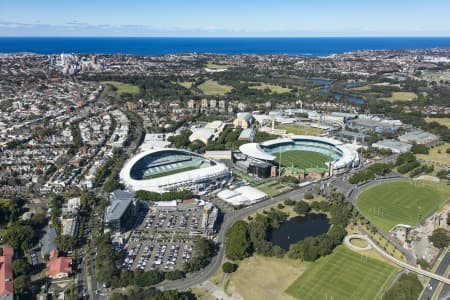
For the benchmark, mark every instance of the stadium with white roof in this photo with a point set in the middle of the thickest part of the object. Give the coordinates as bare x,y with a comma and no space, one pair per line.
165,170
341,157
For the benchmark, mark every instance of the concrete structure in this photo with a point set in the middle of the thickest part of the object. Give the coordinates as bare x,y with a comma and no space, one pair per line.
120,210
244,195
209,132
393,145
203,135
419,137
244,120
6,274
247,134
166,170
218,154
342,157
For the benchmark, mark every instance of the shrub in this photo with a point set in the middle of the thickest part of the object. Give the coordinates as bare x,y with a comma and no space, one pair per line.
308,196
229,267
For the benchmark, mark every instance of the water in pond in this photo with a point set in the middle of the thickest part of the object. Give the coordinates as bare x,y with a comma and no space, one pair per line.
326,89
321,81
298,228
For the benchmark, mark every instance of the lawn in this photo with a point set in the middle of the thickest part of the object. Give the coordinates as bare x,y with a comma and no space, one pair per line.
213,66
436,75
212,88
273,188
266,277
185,84
277,89
442,121
437,154
300,129
401,96
123,87
389,204
302,159
344,274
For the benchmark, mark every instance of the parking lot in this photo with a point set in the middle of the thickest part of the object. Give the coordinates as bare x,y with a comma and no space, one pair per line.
163,241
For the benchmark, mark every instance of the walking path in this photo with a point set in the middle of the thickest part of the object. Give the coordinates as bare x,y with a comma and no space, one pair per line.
392,259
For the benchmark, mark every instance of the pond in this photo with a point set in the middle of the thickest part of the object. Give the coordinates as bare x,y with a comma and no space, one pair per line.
297,228
338,97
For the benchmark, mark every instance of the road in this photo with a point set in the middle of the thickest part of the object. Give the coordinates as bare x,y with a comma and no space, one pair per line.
430,289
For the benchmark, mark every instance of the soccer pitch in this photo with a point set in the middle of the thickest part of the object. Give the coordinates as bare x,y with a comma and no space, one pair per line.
213,88
389,204
302,159
344,274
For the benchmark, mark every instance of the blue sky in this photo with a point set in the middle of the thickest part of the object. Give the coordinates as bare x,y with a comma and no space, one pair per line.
224,18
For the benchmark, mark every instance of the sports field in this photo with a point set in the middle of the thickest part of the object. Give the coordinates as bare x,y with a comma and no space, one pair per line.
389,204
214,66
300,129
261,277
123,87
436,75
185,84
344,274
277,89
437,154
401,96
212,88
442,121
170,172
302,159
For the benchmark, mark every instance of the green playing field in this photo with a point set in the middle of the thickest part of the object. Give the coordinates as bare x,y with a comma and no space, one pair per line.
302,159
389,204
344,274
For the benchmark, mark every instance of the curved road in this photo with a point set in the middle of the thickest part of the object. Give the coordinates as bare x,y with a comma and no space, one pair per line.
393,259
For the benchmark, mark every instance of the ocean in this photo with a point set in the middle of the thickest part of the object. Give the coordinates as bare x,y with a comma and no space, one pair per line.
159,46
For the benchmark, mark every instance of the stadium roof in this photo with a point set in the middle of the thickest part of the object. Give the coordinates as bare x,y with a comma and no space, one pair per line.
161,184
348,156
254,150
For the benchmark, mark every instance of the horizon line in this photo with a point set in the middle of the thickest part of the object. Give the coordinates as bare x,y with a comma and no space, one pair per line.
220,37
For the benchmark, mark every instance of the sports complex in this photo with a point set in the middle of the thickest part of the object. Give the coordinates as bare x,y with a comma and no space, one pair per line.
301,155
164,170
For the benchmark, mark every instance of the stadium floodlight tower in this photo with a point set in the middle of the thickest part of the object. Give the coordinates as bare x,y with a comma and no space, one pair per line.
330,165
279,165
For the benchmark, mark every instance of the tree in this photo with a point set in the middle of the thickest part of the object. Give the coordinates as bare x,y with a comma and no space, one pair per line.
22,286
237,243
380,169
229,267
308,196
174,275
407,287
419,149
21,267
440,238
18,236
301,207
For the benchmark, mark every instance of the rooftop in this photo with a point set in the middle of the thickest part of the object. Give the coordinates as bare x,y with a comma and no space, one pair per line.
116,209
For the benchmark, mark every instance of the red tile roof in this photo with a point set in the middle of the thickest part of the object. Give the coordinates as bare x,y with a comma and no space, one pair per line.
6,274
59,265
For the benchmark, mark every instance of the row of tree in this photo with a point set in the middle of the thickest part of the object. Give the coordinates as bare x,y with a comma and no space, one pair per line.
370,173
